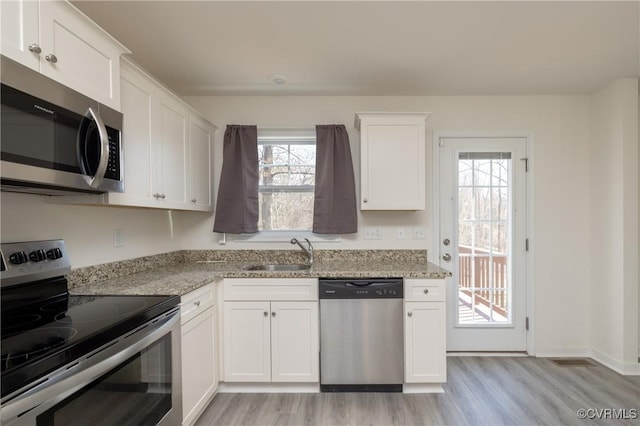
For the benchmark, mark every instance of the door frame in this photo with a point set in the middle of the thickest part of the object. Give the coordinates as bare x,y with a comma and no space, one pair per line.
530,255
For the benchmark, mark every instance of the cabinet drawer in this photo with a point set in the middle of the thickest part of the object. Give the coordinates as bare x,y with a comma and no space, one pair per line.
196,302
271,289
424,290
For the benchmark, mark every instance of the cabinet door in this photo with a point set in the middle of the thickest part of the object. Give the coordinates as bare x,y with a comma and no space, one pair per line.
201,135
247,356
393,162
172,151
138,118
294,341
199,378
87,59
425,345
19,20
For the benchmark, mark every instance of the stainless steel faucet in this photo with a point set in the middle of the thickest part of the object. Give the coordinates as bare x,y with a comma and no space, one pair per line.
307,250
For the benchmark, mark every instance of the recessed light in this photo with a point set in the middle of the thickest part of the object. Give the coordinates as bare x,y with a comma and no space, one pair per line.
278,79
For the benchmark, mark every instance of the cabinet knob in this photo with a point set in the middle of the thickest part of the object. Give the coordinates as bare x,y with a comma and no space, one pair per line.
163,196
409,313
364,200
197,303
273,314
426,291
194,200
266,314
34,48
51,58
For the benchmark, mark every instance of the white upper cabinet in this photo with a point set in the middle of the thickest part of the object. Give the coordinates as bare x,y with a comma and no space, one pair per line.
201,134
172,151
392,160
167,149
57,40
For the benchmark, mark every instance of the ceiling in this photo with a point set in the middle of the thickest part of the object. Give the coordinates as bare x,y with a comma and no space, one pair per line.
377,47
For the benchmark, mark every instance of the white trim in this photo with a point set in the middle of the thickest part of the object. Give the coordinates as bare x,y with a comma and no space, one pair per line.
422,388
269,387
486,354
626,369
530,218
281,237
564,352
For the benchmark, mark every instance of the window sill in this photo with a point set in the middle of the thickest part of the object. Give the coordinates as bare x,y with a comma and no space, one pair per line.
278,237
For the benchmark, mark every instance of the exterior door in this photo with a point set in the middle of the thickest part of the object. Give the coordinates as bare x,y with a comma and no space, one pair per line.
482,212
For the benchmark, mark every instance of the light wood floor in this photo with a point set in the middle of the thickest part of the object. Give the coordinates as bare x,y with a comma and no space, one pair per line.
479,391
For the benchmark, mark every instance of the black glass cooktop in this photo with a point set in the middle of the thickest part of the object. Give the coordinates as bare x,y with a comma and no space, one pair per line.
42,337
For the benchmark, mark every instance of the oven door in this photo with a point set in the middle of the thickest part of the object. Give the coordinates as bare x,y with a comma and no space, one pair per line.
133,380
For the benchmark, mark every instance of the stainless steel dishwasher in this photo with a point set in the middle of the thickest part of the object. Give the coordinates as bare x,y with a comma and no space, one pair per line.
361,335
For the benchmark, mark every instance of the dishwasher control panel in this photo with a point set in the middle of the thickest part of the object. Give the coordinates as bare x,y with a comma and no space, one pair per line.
361,288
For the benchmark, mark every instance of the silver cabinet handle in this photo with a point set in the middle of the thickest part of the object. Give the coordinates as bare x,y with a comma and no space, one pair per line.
163,196
35,48
197,303
364,200
409,313
446,257
446,241
51,58
193,200
273,314
266,314
426,291
156,195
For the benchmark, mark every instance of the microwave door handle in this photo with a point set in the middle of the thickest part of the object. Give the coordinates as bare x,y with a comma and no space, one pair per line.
104,149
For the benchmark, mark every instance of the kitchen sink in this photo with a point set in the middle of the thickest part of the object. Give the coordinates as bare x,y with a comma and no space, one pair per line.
292,267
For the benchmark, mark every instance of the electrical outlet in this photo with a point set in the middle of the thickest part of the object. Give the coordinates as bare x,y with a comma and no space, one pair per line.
372,233
419,233
401,233
118,238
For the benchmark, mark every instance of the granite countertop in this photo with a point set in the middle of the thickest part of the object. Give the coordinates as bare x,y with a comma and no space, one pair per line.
195,271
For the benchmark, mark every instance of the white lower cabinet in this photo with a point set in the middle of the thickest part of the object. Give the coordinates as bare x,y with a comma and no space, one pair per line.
199,359
271,340
425,329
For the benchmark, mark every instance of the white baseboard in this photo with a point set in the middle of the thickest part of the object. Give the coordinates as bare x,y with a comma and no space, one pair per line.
422,388
563,352
505,354
626,369
269,388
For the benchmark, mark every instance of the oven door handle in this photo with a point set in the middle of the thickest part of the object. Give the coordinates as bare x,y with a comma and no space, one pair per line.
69,379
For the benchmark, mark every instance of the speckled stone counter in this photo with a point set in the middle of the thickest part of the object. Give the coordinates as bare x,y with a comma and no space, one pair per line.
189,270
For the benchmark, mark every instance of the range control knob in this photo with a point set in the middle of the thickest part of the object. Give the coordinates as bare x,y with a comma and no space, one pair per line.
37,255
54,253
18,258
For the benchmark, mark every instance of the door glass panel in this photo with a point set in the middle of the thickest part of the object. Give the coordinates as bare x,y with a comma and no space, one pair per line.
484,240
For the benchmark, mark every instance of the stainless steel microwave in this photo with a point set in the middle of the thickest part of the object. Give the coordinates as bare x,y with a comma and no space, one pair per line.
54,140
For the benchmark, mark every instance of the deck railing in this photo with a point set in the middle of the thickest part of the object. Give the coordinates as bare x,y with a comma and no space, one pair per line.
483,276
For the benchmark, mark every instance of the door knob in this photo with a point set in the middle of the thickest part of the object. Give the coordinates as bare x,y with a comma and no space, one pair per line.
446,257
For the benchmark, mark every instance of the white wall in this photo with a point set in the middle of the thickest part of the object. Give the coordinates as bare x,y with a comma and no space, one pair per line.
614,224
87,231
560,161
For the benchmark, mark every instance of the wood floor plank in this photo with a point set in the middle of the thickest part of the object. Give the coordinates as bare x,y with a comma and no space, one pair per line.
479,391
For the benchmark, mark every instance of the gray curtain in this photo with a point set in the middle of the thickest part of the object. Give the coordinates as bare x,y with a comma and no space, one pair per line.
335,207
237,205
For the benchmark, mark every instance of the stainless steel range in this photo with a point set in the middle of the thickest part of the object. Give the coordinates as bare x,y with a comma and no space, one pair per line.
66,359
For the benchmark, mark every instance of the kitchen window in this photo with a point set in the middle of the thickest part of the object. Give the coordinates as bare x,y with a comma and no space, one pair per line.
287,163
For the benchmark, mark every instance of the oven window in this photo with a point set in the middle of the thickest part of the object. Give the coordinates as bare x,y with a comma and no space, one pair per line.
137,392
